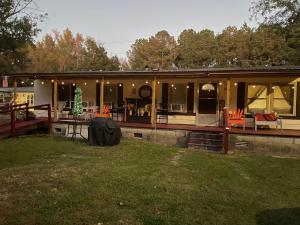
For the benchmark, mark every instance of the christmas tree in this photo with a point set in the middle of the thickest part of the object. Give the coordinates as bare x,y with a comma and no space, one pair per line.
77,107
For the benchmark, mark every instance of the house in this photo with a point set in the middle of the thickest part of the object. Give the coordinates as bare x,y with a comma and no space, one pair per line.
23,95
186,97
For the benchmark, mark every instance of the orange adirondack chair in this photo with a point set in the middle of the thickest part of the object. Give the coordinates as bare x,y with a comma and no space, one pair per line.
105,114
237,118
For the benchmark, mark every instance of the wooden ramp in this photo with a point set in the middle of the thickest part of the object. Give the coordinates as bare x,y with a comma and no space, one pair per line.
26,124
23,126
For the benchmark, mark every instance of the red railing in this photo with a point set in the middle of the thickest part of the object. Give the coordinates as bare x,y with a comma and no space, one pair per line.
12,109
226,130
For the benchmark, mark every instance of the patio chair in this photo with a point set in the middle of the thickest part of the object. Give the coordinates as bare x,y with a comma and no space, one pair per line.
237,118
267,119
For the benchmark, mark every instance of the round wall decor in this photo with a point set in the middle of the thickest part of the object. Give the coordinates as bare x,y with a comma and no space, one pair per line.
145,91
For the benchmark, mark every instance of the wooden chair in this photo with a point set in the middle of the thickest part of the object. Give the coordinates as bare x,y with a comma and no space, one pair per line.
237,118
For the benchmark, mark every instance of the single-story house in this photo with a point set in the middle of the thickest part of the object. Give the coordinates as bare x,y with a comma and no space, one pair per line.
23,95
191,97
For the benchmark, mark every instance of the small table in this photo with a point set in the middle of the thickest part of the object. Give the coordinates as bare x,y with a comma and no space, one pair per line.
75,124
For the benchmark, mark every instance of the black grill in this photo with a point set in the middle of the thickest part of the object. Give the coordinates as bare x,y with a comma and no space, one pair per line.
104,132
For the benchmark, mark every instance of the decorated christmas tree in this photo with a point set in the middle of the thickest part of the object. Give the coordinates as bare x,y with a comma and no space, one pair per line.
77,107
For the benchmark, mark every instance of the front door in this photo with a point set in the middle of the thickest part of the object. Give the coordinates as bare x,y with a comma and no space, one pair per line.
208,104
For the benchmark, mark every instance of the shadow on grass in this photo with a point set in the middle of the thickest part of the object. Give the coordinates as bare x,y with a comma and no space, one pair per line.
286,216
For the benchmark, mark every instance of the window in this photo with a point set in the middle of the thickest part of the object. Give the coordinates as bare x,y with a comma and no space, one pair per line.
283,99
110,94
257,98
177,99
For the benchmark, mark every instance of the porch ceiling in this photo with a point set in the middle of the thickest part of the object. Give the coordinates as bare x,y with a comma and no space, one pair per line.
196,73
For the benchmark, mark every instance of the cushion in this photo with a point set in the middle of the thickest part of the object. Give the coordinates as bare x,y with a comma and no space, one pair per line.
259,117
270,117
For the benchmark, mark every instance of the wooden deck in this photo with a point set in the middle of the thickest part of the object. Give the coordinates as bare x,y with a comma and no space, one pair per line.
22,126
247,131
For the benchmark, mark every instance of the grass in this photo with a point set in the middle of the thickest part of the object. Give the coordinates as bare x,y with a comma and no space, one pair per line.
56,181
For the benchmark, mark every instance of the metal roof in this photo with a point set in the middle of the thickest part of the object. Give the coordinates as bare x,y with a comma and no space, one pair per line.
214,72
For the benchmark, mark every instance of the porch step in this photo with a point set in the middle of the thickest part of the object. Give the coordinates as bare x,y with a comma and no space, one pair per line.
212,141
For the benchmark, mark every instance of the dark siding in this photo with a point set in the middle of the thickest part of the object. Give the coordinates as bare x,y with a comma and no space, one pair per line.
190,98
165,96
298,100
98,94
120,95
241,91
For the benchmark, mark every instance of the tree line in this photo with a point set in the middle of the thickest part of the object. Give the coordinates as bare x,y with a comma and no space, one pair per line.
276,41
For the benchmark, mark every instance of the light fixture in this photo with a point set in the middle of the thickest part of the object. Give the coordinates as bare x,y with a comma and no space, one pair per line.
107,82
187,86
158,82
85,83
273,87
235,84
120,85
253,86
63,83
52,81
22,82
31,83
175,88
208,87
172,85
97,81
42,82
132,84
147,82
74,84
220,83
293,87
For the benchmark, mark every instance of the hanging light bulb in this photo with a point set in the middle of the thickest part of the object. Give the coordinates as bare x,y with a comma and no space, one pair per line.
147,82
235,84
97,81
85,83
120,85
107,82
42,82
73,84
52,81
63,83
220,83
132,84
158,82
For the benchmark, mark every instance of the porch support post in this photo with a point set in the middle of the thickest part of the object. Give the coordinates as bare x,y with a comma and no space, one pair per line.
228,84
196,96
15,91
102,96
55,102
153,109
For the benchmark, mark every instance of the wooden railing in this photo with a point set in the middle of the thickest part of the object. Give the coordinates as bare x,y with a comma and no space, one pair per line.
12,109
226,131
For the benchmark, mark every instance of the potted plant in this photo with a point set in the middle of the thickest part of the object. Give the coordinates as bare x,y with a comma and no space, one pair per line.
148,109
130,107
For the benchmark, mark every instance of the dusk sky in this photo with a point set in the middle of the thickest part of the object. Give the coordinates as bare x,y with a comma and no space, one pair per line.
117,24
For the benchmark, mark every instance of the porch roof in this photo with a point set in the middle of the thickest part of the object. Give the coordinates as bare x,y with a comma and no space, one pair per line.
188,73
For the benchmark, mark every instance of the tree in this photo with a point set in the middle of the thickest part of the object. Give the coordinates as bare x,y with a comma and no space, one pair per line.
196,49
281,12
18,23
157,52
63,52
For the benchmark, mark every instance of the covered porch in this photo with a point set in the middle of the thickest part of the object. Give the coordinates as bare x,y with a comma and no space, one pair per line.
192,97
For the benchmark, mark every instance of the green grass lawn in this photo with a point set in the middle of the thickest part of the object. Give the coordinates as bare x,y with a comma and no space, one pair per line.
56,181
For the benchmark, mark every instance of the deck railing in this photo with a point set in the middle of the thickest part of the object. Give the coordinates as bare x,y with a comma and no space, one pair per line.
12,109
226,130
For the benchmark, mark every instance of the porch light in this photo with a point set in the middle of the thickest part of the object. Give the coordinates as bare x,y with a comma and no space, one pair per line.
97,81
158,82
235,84
42,82
74,84
172,85
63,83
220,83
107,82
208,87
147,82
132,84
22,82
253,86
31,83
85,83
52,81
120,85
187,86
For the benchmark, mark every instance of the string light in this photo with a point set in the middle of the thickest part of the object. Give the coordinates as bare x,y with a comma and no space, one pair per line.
63,83
172,85
235,84
220,83
158,82
107,82
74,84
147,82
52,81
42,82
97,81
120,85
132,84
85,83
187,86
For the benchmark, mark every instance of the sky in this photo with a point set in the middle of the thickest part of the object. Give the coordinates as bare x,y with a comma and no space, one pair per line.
118,23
